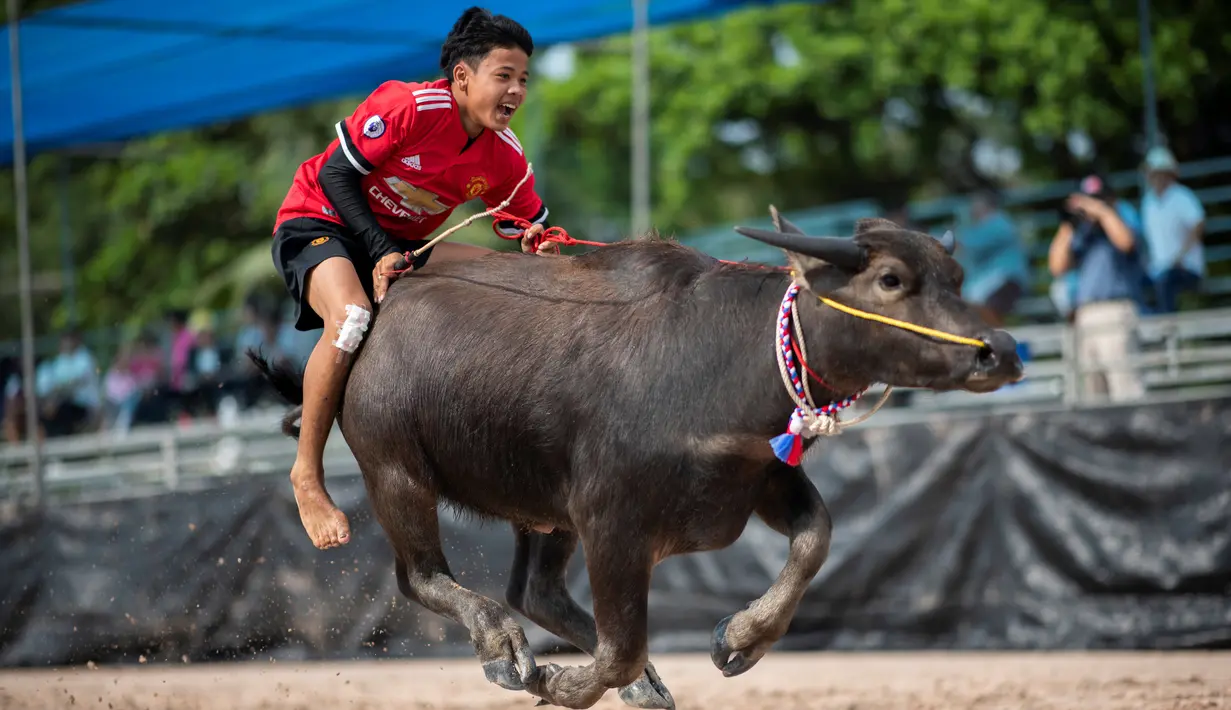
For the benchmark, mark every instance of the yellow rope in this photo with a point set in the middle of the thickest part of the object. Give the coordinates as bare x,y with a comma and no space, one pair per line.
829,423
903,324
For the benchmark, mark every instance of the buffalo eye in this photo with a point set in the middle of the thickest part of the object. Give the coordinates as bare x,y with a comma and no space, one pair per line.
890,282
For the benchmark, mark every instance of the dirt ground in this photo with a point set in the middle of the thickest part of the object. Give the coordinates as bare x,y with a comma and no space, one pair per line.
782,681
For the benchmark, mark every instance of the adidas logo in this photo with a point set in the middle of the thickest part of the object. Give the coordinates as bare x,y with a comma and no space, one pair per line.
412,161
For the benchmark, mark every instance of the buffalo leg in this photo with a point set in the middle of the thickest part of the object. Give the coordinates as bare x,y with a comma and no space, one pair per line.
538,590
620,579
792,506
407,512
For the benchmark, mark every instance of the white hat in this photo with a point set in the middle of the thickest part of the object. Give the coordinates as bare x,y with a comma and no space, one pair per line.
1159,159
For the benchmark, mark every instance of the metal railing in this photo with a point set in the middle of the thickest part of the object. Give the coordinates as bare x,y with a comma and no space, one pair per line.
162,458
1186,351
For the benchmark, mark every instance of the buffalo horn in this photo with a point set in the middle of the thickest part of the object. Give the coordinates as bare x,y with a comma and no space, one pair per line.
839,251
948,242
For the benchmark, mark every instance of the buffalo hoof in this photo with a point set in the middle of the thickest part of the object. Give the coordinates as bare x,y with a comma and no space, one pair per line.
648,692
539,685
729,659
510,675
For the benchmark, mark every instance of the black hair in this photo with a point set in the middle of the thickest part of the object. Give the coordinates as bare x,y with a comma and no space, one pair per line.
476,33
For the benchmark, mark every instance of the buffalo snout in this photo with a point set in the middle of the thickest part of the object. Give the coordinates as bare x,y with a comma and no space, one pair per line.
995,365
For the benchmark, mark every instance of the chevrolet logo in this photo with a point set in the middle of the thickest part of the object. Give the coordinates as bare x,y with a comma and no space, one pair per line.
414,199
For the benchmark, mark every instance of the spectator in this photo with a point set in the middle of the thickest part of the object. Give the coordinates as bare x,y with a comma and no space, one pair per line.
991,252
146,363
1174,223
294,345
206,372
259,333
254,334
14,406
68,388
1095,240
1063,290
134,383
122,391
206,360
182,343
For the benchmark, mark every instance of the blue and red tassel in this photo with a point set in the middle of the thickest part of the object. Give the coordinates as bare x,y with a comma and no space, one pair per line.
789,447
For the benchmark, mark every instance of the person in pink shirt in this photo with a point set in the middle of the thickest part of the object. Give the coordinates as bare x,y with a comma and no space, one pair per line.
182,342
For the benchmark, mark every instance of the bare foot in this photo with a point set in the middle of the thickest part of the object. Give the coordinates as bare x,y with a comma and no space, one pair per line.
326,525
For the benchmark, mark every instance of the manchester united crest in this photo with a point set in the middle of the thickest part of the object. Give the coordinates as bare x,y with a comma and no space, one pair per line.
477,186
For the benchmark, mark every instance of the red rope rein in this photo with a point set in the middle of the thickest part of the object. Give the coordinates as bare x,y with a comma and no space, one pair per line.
556,235
559,235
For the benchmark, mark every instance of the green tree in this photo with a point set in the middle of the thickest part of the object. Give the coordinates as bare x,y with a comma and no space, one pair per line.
871,98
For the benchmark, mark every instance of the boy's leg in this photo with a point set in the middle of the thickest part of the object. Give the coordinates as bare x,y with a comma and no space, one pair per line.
317,261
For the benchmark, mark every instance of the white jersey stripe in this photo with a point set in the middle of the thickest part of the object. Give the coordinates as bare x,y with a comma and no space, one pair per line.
513,144
509,132
421,92
346,149
430,98
432,107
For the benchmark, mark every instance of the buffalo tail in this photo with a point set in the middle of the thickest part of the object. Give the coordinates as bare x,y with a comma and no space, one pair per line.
286,382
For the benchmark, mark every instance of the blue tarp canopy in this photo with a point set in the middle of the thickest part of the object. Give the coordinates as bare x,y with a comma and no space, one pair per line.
107,70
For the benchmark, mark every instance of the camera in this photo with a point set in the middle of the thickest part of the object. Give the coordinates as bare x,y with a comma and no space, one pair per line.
1069,216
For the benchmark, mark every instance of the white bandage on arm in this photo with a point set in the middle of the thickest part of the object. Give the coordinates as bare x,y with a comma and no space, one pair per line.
350,333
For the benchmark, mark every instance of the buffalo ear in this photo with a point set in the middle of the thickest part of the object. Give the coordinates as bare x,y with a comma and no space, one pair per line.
800,264
782,224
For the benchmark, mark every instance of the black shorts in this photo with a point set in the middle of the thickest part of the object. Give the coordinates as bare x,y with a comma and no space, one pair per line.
300,244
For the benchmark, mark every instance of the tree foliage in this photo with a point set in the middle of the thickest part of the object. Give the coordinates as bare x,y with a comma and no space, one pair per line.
824,102
799,105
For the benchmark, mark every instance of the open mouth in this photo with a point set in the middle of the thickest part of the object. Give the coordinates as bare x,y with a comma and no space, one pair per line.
505,110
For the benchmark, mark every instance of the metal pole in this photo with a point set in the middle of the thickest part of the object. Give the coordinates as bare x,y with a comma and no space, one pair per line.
1147,70
641,117
23,256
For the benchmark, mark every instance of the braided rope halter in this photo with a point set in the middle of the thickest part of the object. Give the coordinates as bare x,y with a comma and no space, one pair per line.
807,420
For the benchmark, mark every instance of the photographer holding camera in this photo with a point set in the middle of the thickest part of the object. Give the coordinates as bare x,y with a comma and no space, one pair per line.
1098,239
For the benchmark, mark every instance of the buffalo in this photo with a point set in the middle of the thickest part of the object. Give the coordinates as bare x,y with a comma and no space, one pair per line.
643,399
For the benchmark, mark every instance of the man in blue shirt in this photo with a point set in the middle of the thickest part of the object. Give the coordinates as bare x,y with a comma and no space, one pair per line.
1174,224
991,252
68,387
1095,241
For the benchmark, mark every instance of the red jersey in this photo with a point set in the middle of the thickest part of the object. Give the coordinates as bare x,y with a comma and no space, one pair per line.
418,163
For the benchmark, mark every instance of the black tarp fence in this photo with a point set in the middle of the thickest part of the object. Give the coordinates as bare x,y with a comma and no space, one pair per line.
1062,530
